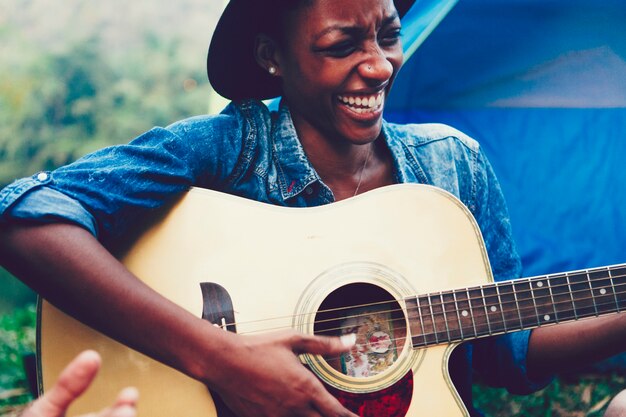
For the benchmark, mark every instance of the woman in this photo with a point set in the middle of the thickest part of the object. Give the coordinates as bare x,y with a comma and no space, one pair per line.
333,62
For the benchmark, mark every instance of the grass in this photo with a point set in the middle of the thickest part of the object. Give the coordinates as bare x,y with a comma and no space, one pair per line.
17,339
571,396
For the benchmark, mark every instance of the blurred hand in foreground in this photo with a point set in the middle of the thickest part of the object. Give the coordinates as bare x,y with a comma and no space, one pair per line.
72,382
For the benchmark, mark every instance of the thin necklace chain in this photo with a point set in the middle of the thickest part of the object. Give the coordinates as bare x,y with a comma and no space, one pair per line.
369,151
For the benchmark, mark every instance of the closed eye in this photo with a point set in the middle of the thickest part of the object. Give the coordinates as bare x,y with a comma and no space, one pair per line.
390,37
341,49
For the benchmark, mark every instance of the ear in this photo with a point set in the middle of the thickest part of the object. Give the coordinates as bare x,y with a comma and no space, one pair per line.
266,54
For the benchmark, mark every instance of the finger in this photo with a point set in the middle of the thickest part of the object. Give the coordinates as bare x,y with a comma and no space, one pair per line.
72,382
128,396
124,406
120,411
329,406
323,345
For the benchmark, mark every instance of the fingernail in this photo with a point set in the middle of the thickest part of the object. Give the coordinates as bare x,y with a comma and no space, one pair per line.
348,340
130,394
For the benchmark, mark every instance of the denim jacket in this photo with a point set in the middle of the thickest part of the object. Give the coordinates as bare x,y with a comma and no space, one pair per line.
254,153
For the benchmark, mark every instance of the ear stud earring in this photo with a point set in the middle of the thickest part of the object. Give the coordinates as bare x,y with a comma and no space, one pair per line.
272,70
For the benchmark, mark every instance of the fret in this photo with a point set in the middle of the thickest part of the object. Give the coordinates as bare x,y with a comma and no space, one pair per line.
602,290
561,297
519,310
416,324
479,312
455,331
593,296
618,277
532,297
502,307
582,295
552,299
571,294
614,289
494,309
458,315
419,311
542,300
484,303
439,318
445,316
467,314
525,301
428,320
510,307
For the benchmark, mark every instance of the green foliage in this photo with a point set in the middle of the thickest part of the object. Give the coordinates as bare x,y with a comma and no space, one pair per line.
17,339
57,106
13,293
571,395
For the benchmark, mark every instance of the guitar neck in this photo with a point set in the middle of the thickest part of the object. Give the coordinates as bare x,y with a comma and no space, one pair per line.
509,306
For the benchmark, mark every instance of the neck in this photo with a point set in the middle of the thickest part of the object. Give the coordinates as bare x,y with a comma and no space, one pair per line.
347,166
521,304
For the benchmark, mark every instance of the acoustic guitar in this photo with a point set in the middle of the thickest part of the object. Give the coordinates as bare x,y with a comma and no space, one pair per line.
412,285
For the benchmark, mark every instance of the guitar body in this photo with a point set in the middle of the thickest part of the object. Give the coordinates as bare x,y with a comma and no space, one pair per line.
280,267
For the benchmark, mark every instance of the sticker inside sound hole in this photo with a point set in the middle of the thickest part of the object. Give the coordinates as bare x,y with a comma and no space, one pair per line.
377,320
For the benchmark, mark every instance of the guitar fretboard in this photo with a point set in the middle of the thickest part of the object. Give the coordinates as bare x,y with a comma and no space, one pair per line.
508,306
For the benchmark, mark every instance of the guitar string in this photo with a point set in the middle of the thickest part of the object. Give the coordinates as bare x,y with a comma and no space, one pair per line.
464,333
441,335
454,334
504,284
460,333
437,337
497,295
432,322
474,308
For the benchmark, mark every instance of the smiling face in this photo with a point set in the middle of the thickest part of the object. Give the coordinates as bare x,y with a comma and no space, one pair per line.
337,61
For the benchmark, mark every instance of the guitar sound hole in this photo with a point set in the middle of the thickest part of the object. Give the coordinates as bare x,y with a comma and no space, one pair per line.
377,320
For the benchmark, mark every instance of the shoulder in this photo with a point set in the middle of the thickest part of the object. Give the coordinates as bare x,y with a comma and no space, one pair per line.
236,120
439,155
420,135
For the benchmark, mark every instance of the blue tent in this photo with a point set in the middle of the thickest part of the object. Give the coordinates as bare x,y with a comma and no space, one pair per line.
541,84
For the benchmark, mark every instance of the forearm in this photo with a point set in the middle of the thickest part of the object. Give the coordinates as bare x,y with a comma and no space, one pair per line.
568,346
69,267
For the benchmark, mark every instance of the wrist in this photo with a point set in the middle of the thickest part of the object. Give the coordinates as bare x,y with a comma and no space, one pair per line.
206,362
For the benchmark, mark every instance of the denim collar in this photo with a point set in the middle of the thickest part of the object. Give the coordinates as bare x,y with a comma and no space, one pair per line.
295,172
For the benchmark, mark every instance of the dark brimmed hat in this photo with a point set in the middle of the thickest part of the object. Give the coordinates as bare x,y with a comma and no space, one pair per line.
231,66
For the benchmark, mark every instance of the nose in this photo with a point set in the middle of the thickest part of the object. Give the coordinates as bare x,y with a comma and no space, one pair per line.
376,67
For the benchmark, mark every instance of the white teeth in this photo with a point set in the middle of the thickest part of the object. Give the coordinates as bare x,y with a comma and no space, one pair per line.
366,104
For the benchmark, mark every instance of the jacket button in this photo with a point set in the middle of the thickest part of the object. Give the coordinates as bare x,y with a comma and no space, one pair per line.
42,176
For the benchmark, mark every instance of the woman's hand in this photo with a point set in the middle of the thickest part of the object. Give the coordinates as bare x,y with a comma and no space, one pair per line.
256,375
72,382
266,378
